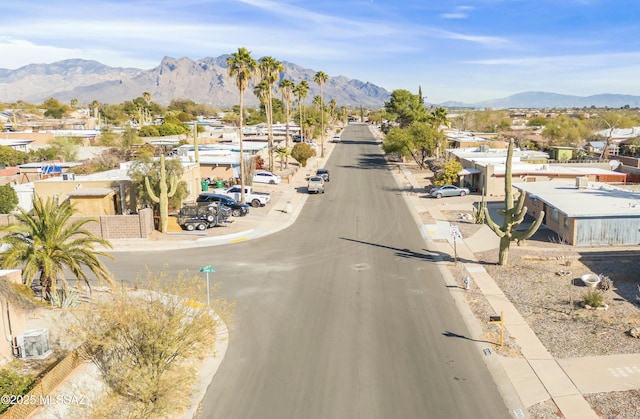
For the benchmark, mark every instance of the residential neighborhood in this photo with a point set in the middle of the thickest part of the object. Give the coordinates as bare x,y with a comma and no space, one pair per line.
586,199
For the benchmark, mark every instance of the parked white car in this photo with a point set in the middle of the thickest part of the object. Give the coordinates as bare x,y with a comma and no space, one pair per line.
266,177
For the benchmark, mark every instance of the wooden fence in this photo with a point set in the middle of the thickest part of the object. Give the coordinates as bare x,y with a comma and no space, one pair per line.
45,386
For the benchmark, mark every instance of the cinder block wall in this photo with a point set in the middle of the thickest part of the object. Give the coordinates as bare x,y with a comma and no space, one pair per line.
135,226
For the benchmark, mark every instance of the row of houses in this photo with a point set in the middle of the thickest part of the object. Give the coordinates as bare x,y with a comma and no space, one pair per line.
585,203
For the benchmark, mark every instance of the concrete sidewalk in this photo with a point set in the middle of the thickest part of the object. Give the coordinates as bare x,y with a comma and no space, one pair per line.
537,376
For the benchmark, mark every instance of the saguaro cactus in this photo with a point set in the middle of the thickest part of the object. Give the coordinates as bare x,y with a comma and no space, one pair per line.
513,216
162,199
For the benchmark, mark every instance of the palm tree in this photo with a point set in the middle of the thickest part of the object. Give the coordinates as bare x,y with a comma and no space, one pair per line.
243,66
439,117
286,87
332,110
48,241
283,153
321,78
317,102
301,90
270,70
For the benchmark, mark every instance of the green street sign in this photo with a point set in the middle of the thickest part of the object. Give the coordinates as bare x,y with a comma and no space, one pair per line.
207,268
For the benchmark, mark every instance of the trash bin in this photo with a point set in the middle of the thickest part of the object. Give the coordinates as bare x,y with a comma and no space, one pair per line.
219,184
205,185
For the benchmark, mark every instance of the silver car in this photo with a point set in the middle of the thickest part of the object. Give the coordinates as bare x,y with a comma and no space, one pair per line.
449,190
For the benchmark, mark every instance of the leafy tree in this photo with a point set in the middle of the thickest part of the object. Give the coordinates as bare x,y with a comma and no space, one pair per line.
54,108
566,131
406,107
241,65
8,199
42,154
538,121
144,343
417,141
47,241
191,108
302,152
149,131
11,157
65,148
113,114
449,174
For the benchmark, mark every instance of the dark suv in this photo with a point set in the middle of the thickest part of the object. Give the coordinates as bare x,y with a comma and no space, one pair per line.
237,209
323,173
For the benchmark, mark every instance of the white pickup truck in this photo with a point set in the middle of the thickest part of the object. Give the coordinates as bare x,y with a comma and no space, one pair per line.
255,199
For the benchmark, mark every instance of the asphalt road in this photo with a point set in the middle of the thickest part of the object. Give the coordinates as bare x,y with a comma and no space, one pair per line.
341,315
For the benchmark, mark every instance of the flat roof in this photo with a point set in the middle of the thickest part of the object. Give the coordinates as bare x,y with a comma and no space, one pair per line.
91,191
596,200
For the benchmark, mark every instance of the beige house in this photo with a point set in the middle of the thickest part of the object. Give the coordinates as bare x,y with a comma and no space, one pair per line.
106,193
486,169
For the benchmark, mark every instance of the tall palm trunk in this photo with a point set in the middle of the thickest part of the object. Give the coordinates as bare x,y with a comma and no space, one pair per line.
242,168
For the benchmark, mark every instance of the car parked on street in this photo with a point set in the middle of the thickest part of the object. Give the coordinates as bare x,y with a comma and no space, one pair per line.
324,174
237,209
266,177
449,190
315,184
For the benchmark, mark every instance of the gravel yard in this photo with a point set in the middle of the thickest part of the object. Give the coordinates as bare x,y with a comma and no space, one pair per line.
542,280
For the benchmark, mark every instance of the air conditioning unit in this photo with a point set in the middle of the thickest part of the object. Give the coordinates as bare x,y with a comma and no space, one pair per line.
34,344
582,182
68,176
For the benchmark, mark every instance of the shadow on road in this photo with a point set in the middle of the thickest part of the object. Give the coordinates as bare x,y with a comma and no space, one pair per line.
408,253
455,335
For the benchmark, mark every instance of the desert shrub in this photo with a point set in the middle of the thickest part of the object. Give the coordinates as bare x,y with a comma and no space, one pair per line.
593,298
302,152
145,342
605,283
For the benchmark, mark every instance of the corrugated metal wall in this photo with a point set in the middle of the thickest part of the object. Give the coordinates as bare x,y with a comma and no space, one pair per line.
623,231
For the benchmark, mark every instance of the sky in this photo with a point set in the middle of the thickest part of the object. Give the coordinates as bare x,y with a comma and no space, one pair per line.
465,51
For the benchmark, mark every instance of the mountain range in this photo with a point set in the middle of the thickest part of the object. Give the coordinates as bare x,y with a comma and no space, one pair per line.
207,81
546,100
203,81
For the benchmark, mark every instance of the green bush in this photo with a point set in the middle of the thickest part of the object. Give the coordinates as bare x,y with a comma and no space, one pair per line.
8,199
302,152
13,384
593,298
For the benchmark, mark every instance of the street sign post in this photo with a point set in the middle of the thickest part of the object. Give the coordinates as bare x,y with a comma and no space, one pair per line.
207,269
455,233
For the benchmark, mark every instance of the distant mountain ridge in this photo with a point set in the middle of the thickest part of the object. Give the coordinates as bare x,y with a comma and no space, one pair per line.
548,100
206,81
203,81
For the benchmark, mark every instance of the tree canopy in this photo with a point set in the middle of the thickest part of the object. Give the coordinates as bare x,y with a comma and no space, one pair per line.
8,199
